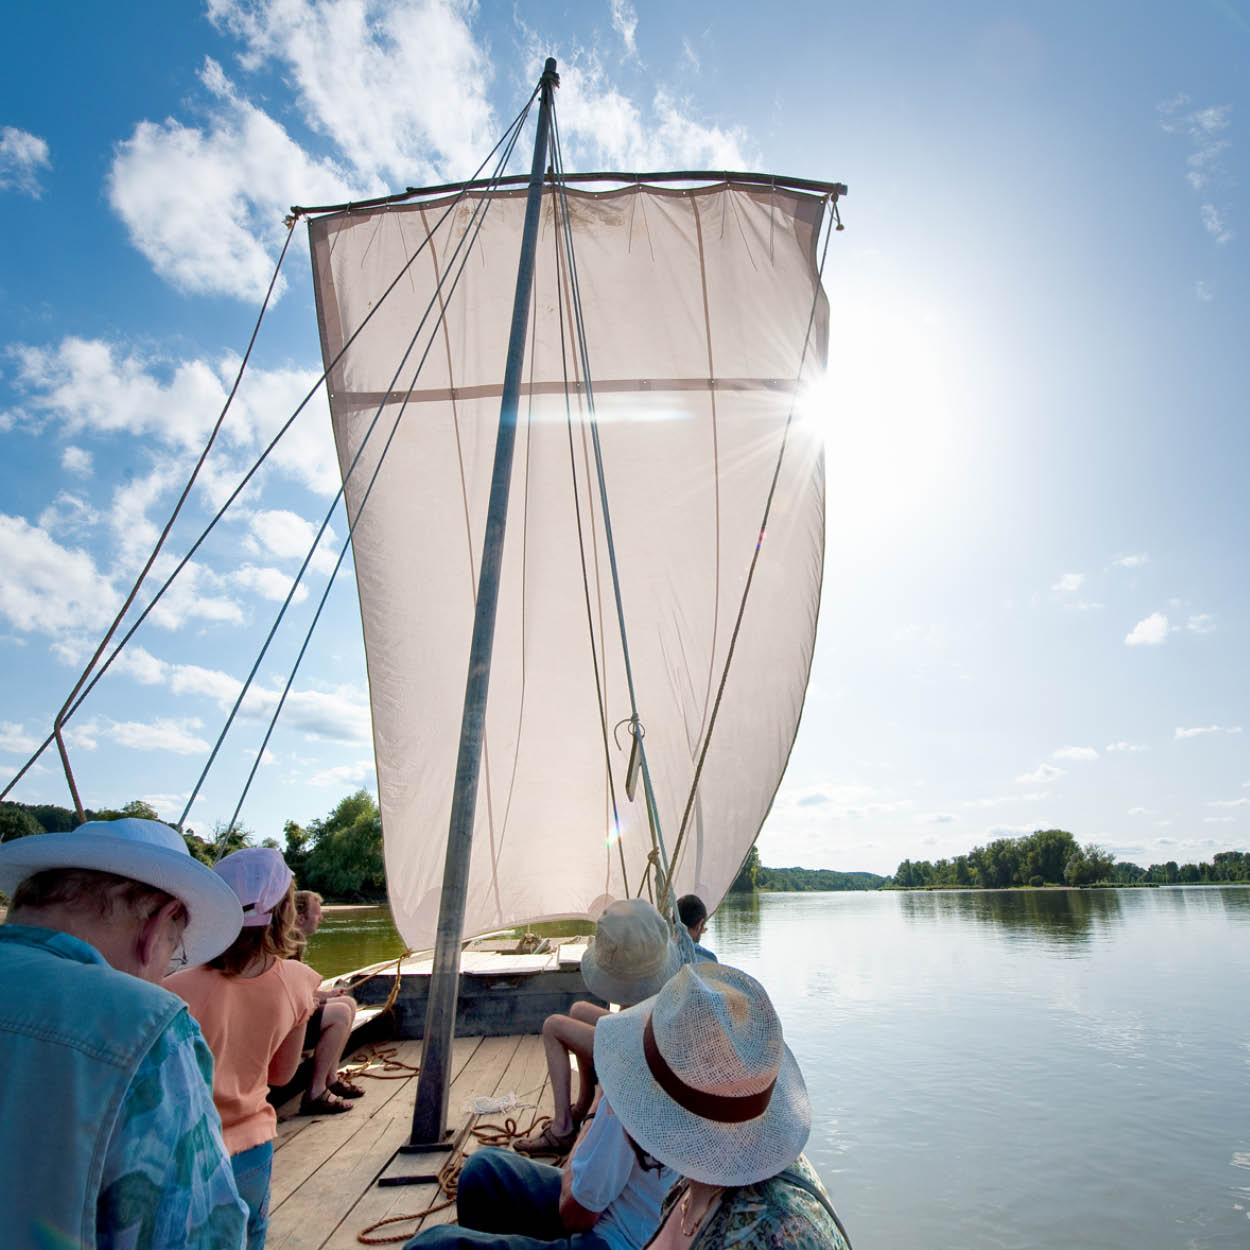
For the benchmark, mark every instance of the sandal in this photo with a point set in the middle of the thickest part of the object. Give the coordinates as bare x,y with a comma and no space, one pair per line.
327,1104
345,1087
548,1142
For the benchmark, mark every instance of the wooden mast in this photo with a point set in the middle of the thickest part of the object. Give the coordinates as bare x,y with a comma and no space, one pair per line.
429,1115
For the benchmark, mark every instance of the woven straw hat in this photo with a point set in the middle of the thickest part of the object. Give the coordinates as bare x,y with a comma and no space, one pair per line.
141,850
701,1079
632,953
260,877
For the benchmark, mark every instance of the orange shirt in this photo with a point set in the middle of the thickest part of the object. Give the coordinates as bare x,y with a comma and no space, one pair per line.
244,1021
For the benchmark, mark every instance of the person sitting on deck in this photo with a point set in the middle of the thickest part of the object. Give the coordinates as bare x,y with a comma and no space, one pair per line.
331,1023
628,959
607,1196
693,913
253,1002
107,1126
701,1079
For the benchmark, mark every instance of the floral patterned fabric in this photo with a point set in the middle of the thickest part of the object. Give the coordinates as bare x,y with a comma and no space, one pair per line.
768,1216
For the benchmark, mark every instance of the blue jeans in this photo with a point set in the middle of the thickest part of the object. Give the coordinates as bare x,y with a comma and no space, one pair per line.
506,1201
251,1175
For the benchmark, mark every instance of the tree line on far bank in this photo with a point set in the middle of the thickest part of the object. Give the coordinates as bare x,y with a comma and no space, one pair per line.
339,856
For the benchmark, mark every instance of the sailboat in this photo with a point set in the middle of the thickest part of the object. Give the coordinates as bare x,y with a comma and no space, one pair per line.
588,482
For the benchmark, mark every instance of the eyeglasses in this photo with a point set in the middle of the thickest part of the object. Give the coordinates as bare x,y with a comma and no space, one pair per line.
178,959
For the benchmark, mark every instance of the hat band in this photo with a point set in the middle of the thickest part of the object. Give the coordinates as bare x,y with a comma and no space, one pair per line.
723,1108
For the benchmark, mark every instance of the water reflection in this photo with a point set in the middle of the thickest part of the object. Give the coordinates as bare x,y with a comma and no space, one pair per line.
1060,919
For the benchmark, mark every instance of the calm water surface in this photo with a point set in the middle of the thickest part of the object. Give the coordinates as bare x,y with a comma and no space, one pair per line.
1008,1069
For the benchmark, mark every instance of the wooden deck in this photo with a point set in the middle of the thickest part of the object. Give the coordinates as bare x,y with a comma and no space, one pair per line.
325,1169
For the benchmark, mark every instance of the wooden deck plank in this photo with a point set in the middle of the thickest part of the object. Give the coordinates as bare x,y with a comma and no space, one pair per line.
482,1075
319,1176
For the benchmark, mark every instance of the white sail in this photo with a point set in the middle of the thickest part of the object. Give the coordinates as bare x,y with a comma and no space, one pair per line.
697,304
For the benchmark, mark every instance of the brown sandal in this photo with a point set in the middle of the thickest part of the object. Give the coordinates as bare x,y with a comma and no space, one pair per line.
345,1087
327,1104
548,1142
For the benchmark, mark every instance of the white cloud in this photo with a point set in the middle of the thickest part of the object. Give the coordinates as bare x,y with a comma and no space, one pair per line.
359,773
177,736
1139,811
22,156
1203,292
1218,820
400,89
1215,223
1076,753
1125,746
1229,803
288,536
205,207
625,23
14,738
1201,623
1032,796
1069,582
194,595
1149,632
1131,561
68,516
1207,729
47,588
1042,774
269,583
76,461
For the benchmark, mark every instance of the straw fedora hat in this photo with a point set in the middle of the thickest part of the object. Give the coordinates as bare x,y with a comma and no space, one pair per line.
700,1078
632,953
142,850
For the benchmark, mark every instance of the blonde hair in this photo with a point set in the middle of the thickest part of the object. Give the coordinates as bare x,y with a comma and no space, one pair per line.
303,898
279,939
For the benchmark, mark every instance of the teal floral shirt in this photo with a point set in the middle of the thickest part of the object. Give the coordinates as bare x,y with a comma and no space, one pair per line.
769,1216
167,1180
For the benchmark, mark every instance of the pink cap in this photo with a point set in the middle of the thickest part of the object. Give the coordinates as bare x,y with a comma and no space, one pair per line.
260,877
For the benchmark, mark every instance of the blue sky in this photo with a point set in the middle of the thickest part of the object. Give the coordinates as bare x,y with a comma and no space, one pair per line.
1036,597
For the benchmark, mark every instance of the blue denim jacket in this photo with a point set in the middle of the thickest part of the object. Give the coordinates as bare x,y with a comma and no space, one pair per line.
73,1031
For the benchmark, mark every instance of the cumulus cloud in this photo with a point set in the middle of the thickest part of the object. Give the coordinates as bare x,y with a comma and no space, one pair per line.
1131,561
1149,632
105,388
22,156
48,588
1042,774
1124,746
1215,223
76,461
1076,753
269,583
1207,729
205,206
1201,623
1069,582
177,736
287,535
359,773
14,738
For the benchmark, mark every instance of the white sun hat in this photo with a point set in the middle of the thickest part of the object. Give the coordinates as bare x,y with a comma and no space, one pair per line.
632,953
142,850
700,1078
260,877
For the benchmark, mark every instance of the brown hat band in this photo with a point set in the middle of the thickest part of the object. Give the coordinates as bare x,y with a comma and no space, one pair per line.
723,1108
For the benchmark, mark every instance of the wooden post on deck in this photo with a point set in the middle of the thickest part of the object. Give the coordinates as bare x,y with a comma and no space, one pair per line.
429,1115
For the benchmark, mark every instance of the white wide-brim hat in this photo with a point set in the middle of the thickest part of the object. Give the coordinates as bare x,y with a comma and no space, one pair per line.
142,850
632,953
700,1078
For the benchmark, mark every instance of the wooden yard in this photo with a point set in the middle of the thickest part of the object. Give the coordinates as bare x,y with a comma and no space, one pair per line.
325,1169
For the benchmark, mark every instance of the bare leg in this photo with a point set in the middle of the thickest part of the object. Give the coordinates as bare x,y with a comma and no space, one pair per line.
585,1013
336,1027
563,1035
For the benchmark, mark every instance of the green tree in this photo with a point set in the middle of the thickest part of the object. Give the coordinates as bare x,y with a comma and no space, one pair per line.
748,875
16,822
346,858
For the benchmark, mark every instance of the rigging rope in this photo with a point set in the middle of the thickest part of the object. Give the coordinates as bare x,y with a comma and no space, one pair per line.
77,700
653,815
755,555
475,225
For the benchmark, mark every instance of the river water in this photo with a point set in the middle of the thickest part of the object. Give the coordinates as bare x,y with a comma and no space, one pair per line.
1010,1069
